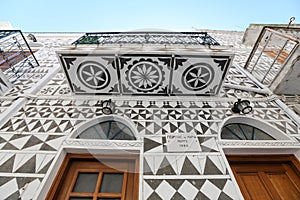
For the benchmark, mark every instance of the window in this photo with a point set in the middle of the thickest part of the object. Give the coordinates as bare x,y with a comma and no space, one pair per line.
108,127
86,177
240,131
248,128
110,130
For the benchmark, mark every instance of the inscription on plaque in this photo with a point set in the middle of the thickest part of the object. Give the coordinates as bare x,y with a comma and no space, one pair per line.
182,143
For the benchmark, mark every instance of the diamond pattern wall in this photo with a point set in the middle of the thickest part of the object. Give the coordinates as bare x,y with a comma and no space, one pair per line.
189,189
30,140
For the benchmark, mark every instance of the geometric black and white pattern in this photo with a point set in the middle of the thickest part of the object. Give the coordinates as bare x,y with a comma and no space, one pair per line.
150,117
91,73
29,162
176,127
189,189
180,164
144,73
5,84
28,80
149,74
40,125
59,112
199,73
30,140
22,188
4,104
58,85
234,77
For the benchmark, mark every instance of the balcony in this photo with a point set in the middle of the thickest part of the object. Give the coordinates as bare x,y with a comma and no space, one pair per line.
16,58
274,60
146,63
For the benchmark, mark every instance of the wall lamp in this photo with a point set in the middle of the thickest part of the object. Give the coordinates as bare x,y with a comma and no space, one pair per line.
108,107
242,106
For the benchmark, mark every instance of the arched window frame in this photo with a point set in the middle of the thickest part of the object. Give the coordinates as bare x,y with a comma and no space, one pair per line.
269,129
101,119
283,143
108,148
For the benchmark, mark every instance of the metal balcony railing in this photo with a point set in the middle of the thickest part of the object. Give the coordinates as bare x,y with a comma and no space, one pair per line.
16,56
185,38
271,53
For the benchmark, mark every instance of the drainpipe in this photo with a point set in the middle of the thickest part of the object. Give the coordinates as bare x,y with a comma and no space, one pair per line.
284,107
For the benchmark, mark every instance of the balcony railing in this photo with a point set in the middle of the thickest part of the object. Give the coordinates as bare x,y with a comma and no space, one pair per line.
185,38
16,56
272,52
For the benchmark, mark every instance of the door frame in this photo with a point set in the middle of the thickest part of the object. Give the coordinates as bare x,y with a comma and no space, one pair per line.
70,156
253,151
54,168
283,145
260,159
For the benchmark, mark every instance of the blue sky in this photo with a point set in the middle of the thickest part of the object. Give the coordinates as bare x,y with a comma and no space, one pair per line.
128,15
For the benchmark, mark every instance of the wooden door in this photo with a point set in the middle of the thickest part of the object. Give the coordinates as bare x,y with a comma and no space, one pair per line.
267,177
83,177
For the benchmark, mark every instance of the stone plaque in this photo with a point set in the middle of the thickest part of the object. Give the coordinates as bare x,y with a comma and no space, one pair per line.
182,143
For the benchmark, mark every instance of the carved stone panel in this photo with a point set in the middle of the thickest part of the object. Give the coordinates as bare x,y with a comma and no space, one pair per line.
146,73
91,73
199,75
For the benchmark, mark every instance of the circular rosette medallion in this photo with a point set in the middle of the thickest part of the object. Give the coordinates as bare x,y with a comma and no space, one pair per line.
93,75
198,76
145,76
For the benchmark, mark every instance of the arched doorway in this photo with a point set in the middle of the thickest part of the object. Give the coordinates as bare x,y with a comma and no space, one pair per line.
97,176
259,171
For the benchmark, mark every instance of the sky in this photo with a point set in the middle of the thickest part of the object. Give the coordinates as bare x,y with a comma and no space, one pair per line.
130,15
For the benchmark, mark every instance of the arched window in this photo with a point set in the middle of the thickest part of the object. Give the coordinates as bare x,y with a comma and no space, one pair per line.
246,128
108,130
240,131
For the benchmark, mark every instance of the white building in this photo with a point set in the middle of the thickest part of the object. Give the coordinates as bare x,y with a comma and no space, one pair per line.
148,115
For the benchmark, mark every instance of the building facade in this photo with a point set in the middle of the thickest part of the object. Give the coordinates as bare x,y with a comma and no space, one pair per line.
156,106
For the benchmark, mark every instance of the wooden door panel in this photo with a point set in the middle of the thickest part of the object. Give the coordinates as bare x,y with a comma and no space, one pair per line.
293,173
267,177
255,189
255,167
284,186
107,171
